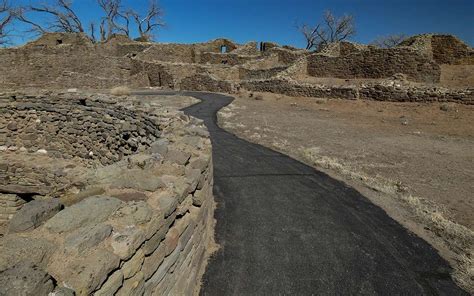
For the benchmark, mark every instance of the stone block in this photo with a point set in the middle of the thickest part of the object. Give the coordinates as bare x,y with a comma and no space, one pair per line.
15,249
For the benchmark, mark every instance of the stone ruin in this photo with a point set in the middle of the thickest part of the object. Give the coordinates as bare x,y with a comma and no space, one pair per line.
72,60
102,197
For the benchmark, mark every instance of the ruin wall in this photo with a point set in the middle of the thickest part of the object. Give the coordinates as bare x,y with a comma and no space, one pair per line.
376,63
126,208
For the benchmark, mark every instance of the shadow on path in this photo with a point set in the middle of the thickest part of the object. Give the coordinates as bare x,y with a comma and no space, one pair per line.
285,228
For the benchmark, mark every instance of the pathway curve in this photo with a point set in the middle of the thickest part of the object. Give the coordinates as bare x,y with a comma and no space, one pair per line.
285,228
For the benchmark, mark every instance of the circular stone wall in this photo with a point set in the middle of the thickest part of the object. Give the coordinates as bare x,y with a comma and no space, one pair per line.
99,196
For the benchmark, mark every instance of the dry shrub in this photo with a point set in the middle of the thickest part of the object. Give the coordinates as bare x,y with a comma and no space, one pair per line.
120,91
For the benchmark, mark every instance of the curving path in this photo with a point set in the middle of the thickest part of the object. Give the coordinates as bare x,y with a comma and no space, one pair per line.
285,228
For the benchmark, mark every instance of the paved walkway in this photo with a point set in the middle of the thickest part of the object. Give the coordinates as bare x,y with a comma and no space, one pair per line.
287,229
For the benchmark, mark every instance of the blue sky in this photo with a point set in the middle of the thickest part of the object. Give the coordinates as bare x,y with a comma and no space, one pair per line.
273,20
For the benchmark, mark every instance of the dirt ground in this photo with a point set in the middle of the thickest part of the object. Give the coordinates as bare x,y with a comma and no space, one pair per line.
416,161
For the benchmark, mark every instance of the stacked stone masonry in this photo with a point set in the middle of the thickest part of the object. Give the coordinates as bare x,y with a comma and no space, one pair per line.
107,221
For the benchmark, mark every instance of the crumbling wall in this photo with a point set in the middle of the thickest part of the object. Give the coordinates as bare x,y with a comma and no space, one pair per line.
142,225
230,59
376,63
443,49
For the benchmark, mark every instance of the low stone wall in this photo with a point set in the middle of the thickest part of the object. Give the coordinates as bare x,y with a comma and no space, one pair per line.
249,74
230,59
376,63
380,92
137,224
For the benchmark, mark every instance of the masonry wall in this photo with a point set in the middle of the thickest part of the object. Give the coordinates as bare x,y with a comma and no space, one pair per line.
376,63
139,225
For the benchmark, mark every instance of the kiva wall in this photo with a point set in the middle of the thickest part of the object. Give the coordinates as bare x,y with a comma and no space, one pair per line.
128,220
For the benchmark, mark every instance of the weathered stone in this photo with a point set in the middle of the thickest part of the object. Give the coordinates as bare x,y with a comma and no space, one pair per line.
134,286
13,126
160,146
164,267
200,163
126,242
32,214
86,273
155,240
25,279
171,240
62,291
177,156
152,262
15,249
132,266
111,285
164,201
138,179
87,237
92,210
134,213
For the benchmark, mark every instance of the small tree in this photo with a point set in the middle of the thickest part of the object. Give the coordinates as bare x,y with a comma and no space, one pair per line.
389,41
6,18
331,29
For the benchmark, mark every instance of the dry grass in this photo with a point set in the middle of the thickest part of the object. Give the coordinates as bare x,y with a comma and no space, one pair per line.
458,238
120,91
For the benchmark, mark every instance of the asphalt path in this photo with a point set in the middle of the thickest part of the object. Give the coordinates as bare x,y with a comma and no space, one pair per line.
285,228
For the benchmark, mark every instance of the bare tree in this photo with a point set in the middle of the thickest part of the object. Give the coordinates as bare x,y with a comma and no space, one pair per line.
109,23
64,19
331,29
150,22
6,18
389,41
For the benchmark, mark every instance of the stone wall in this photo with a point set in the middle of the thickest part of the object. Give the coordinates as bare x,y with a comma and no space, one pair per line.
139,223
381,92
376,63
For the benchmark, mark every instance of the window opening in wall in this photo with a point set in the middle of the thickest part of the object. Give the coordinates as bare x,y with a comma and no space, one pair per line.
262,46
223,49
59,41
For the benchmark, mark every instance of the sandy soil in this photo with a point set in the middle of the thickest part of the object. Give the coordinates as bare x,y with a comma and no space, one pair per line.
416,161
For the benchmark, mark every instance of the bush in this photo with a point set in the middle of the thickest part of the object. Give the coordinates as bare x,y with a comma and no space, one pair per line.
120,91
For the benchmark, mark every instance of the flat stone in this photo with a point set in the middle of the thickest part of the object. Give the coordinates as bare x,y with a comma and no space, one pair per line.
90,211
15,249
130,196
25,279
165,202
87,237
13,126
33,214
200,163
164,267
155,240
111,285
132,266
